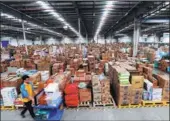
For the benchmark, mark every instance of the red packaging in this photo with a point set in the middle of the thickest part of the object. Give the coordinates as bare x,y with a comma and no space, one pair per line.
71,97
72,103
71,89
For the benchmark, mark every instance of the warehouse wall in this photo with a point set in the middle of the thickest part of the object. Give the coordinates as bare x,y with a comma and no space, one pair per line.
13,41
125,39
51,40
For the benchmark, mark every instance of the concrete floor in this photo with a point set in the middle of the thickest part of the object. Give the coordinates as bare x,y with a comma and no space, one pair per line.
159,113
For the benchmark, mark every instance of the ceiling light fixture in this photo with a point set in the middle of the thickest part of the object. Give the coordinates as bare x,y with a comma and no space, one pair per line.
13,18
107,9
166,3
51,11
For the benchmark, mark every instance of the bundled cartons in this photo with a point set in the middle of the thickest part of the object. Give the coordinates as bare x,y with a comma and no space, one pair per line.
137,81
147,72
157,94
12,81
163,81
9,96
96,89
136,96
165,94
105,90
123,94
148,86
85,95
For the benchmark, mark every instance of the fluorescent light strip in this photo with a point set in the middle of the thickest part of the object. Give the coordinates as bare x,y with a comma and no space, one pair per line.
8,16
51,11
107,10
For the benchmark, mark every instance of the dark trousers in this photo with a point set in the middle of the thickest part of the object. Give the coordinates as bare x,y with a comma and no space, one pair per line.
28,106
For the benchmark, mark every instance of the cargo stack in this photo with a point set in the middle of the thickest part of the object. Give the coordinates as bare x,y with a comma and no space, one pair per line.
91,61
105,90
163,81
71,95
136,89
96,89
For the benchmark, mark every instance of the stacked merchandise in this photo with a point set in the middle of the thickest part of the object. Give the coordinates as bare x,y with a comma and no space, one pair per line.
29,64
53,99
163,81
11,81
9,95
137,83
58,67
85,95
164,64
71,95
105,90
120,84
147,72
91,61
96,85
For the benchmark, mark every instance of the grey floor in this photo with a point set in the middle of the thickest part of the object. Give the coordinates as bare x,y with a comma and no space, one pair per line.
159,113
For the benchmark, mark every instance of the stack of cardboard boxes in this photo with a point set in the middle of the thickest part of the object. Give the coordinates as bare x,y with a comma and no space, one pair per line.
96,89
91,61
136,89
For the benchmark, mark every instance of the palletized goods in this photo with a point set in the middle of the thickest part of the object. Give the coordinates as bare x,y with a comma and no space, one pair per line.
9,96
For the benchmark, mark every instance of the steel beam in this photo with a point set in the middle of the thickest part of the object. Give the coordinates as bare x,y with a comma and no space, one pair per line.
136,36
136,12
79,15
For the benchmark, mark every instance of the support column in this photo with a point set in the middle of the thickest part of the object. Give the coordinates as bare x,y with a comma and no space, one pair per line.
23,28
136,36
40,40
79,27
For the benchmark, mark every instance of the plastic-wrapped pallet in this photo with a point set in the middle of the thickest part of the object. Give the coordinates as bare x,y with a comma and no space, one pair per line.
51,88
9,95
157,94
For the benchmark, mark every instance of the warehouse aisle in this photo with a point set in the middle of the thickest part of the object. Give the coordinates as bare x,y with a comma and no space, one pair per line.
161,113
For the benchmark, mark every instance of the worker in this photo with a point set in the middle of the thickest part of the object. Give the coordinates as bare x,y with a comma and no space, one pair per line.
27,96
84,51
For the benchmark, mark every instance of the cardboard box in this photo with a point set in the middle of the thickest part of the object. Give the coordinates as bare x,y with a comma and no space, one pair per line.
157,94
163,80
97,97
84,95
137,81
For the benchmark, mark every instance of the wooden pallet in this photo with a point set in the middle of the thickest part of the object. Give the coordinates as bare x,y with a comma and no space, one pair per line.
124,106
111,102
85,104
7,107
166,103
19,106
130,106
152,103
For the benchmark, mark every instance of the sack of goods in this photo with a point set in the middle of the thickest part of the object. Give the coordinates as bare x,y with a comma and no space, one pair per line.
71,95
9,95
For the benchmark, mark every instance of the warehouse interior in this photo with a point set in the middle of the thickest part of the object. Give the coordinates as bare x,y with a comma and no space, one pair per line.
95,24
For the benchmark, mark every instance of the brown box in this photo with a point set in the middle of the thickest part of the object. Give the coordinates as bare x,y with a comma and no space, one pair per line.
137,81
85,95
165,94
97,97
163,80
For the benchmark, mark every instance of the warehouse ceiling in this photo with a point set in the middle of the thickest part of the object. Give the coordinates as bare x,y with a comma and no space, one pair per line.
65,22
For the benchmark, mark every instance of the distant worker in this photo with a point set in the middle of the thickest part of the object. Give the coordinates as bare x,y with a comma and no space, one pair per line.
27,95
84,52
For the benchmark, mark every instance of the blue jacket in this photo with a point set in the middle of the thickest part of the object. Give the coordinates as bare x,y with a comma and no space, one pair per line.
23,90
